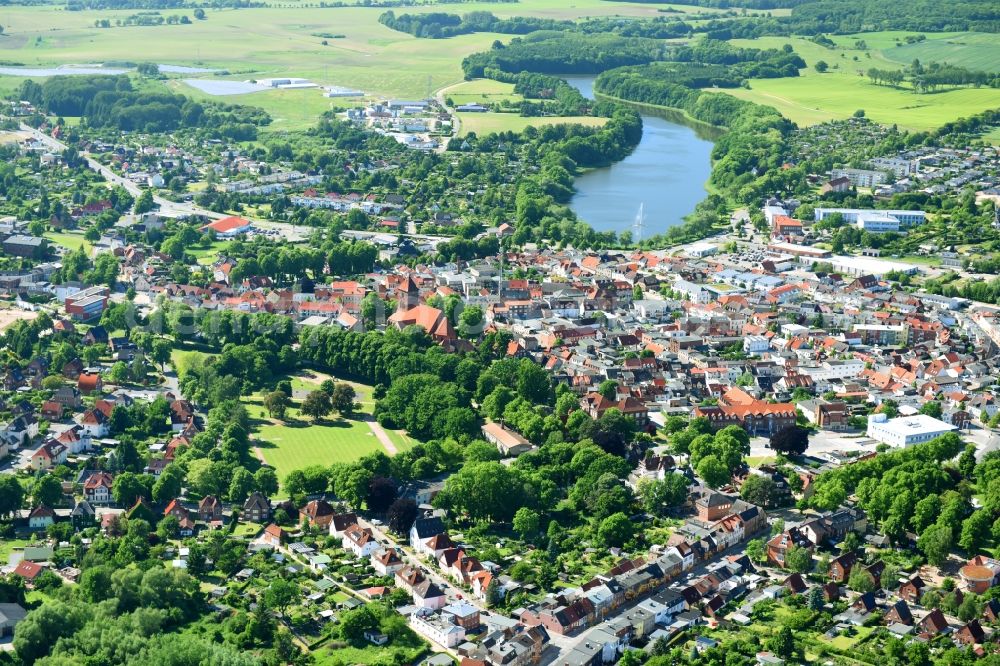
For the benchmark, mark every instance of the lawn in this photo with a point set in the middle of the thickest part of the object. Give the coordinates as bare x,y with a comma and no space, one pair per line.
485,123
847,642
300,442
407,652
7,546
205,256
183,359
813,97
68,240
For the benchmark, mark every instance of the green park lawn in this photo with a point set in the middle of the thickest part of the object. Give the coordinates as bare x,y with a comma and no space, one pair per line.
298,444
485,123
70,241
205,256
183,359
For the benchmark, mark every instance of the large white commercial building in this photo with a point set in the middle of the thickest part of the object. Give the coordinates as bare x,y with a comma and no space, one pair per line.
905,431
874,220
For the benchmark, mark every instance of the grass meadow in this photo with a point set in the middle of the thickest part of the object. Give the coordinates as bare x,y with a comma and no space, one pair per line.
814,97
485,123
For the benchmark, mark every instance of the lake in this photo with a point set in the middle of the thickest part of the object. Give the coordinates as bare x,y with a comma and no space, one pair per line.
61,70
665,174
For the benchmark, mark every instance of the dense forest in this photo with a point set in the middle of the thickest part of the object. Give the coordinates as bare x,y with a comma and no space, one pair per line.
81,5
438,25
851,16
110,101
728,4
565,53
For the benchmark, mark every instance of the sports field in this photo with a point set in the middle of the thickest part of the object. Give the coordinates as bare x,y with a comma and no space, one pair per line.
300,443
813,97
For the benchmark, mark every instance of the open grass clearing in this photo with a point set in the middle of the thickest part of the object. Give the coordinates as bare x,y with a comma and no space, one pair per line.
183,359
814,98
486,123
974,50
299,442
68,239
482,91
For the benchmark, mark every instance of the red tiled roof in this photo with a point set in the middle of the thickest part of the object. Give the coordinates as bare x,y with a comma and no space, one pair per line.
226,224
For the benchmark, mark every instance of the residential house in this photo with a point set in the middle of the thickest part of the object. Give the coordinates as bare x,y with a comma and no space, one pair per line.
257,508
422,531
97,488
40,517
319,513
10,616
360,541
386,561
274,536
210,509
779,545
340,522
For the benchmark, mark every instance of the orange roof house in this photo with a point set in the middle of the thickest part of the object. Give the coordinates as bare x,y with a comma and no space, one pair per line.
426,317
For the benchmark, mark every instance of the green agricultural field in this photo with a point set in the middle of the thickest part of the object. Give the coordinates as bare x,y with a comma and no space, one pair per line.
974,50
813,97
485,123
482,91
286,41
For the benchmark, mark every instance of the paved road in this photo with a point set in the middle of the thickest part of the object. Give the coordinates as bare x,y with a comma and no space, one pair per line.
452,593
382,436
456,122
169,208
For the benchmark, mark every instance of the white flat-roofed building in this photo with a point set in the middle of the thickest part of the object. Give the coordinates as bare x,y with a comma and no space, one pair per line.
850,265
771,212
906,430
853,215
698,250
878,224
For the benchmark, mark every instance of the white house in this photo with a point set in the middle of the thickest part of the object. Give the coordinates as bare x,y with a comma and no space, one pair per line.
437,629
360,541
94,423
754,345
422,532
386,561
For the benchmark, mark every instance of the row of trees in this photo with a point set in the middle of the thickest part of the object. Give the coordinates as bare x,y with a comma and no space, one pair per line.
437,25
110,101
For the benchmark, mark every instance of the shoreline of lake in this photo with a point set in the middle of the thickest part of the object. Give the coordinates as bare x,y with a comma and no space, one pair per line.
665,175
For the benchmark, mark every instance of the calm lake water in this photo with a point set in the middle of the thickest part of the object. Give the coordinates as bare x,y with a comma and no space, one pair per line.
666,174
